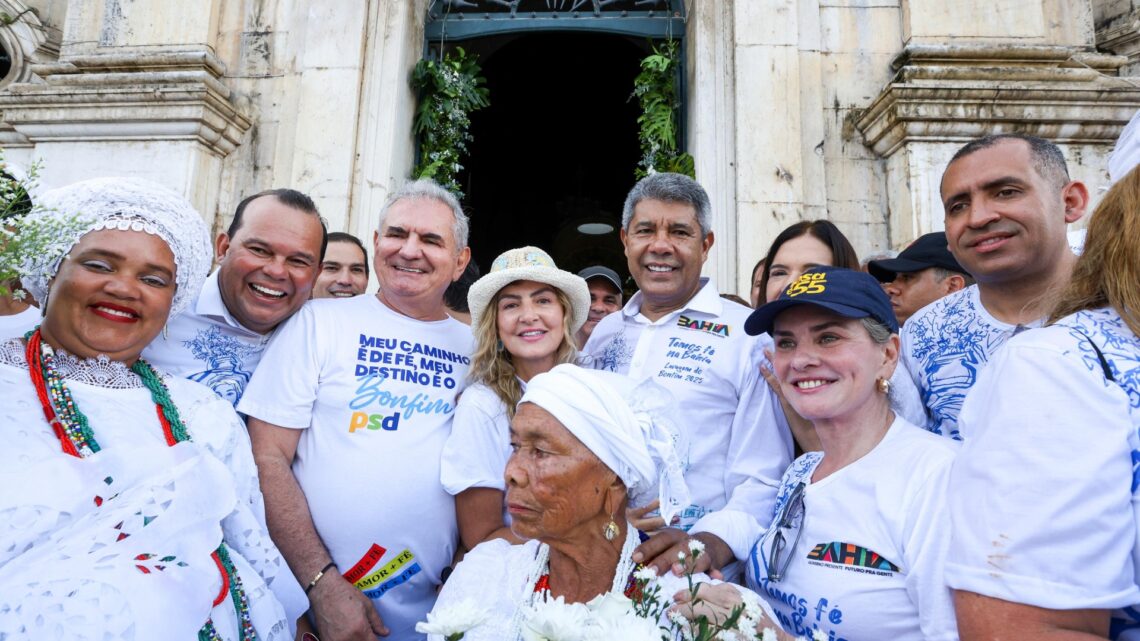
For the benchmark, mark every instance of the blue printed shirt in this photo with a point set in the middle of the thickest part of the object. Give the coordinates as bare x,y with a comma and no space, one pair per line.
944,347
1045,507
206,344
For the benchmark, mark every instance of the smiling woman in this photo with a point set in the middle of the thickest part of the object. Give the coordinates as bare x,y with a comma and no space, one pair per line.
524,314
138,507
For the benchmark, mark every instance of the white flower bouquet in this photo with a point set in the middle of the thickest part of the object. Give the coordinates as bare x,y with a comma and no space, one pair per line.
645,617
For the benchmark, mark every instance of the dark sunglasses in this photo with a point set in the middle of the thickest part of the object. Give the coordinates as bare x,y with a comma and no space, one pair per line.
789,521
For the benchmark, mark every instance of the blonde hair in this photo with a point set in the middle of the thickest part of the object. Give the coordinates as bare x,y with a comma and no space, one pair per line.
492,366
1108,270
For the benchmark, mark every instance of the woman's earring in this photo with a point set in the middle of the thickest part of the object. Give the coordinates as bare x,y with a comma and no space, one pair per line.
500,346
611,530
884,385
166,331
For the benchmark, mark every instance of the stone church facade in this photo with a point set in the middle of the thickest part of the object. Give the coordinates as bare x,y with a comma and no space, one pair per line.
844,109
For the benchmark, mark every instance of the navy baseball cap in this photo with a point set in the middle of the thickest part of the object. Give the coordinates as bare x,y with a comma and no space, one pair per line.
929,250
846,292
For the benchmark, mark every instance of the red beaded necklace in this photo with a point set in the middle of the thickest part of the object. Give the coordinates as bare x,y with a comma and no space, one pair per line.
77,439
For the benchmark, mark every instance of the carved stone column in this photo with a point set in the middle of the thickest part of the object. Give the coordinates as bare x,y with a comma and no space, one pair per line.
943,96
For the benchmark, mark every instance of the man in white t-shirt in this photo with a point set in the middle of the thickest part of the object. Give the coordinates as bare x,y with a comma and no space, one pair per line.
678,331
1007,201
268,260
348,417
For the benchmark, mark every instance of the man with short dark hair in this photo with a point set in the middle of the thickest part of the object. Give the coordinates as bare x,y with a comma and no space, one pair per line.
921,274
605,298
344,270
267,260
1007,200
680,333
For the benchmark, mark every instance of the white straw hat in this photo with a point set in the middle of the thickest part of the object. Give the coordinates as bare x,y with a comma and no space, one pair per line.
529,263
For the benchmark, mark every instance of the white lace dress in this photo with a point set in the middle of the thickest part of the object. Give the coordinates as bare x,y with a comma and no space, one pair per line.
118,545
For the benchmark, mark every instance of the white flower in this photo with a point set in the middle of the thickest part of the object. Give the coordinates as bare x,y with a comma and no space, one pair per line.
696,547
727,635
610,606
629,627
768,635
555,620
681,556
452,620
818,635
645,574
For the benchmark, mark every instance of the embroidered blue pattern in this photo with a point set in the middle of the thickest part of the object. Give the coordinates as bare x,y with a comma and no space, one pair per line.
617,354
948,344
1121,349
223,357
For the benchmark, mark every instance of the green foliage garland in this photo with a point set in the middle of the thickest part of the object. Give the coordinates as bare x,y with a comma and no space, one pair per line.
656,90
449,90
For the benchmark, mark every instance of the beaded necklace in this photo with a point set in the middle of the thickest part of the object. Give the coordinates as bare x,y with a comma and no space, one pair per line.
77,439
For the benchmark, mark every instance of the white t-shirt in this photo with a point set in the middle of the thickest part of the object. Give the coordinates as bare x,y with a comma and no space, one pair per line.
206,344
476,453
868,561
1045,508
944,347
374,393
16,325
739,443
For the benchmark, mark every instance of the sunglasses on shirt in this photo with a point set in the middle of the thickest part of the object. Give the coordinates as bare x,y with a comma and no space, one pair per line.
789,525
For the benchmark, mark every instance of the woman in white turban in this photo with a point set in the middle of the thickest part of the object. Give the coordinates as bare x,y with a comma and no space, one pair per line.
586,445
131,507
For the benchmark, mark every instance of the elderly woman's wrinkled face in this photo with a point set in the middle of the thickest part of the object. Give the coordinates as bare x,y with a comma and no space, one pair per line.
556,487
111,296
829,365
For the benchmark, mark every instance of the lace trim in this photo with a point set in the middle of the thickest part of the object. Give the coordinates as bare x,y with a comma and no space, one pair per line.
100,371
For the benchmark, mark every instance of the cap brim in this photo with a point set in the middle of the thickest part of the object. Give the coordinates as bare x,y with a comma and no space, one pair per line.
761,320
884,270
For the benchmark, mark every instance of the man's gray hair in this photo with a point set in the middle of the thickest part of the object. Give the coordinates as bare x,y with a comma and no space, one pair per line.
669,188
428,188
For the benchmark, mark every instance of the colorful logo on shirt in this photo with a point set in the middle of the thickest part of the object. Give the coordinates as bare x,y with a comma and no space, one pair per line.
849,556
709,327
377,583
814,283
364,420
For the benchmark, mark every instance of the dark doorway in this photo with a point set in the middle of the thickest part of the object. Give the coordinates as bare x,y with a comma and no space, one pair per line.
554,154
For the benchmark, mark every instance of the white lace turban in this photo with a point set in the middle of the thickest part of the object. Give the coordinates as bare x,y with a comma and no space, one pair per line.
624,424
124,204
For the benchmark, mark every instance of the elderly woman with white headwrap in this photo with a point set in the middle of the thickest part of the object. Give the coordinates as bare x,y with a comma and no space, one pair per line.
586,445
131,507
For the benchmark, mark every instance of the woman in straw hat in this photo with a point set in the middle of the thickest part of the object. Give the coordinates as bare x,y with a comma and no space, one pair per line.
524,313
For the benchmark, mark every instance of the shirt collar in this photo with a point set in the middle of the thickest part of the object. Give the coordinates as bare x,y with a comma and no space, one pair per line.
706,301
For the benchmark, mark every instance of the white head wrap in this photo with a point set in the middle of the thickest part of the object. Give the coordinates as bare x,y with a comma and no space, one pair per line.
128,204
1126,153
624,424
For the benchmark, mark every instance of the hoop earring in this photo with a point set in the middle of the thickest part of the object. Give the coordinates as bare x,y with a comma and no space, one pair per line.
883,385
166,331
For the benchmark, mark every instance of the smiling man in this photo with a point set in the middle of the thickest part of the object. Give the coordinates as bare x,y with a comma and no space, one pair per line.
267,261
678,331
605,298
1007,200
348,416
344,271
